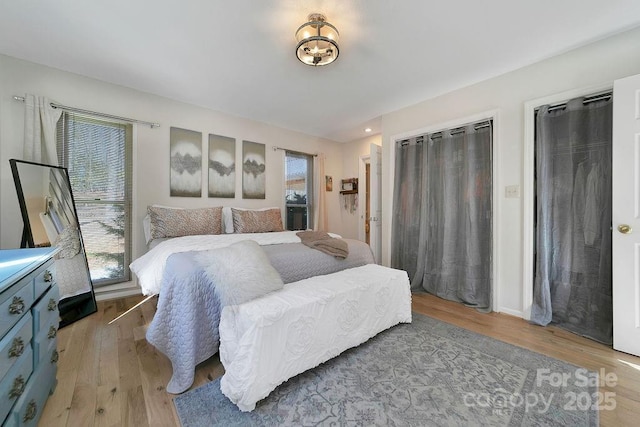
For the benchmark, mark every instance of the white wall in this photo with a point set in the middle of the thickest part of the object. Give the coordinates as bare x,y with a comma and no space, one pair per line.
151,146
592,65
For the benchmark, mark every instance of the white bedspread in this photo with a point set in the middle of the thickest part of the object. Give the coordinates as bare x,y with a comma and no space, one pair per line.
149,268
266,341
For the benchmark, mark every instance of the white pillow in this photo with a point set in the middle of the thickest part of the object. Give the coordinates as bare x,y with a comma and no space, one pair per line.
227,216
146,227
227,219
240,272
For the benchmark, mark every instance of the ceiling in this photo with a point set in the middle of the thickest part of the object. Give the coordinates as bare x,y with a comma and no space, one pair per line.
238,56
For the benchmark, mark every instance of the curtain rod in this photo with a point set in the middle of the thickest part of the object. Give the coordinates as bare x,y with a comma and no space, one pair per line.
587,99
275,148
94,113
453,131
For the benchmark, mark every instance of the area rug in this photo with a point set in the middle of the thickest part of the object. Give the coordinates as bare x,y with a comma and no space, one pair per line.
424,373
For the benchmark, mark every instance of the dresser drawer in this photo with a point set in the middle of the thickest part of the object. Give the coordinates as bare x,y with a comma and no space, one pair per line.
15,343
14,383
15,304
45,277
46,310
45,347
28,408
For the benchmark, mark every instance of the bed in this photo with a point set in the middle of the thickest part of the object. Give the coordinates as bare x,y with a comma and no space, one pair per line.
185,326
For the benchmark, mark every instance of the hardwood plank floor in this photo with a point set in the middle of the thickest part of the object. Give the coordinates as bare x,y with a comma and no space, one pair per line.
110,376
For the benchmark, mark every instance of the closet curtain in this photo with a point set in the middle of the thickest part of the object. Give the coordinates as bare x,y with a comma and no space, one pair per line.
442,222
40,120
572,284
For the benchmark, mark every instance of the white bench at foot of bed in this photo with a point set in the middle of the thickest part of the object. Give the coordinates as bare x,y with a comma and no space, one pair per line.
266,341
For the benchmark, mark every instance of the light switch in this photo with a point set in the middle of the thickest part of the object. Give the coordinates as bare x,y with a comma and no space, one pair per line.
512,191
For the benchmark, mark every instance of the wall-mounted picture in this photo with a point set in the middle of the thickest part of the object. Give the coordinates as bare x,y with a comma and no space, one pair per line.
328,183
186,163
222,166
253,170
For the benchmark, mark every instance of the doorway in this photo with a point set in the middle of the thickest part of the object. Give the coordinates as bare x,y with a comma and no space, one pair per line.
572,219
528,186
625,199
442,223
370,201
367,222
364,204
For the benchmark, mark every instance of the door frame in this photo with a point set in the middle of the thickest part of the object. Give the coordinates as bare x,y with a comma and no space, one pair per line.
496,183
362,198
528,158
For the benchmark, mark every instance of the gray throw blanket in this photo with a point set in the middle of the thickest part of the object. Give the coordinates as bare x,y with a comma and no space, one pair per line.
323,242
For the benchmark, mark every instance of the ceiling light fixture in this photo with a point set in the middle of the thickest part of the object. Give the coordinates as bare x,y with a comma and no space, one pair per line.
367,130
317,41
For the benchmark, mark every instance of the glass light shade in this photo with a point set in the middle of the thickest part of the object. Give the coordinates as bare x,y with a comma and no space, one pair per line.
317,41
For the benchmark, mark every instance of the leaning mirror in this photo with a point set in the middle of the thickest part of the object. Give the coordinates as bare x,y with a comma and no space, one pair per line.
50,219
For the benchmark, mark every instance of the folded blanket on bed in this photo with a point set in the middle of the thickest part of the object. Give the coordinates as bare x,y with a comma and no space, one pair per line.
323,242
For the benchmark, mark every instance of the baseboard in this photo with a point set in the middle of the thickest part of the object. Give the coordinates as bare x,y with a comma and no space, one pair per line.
119,290
511,312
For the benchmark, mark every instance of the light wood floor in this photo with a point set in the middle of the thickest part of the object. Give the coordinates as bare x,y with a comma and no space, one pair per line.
109,376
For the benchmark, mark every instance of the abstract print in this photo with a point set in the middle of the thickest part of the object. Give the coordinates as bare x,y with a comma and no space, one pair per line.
186,163
222,166
253,170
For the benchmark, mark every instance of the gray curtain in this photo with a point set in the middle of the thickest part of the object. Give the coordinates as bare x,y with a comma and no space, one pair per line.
442,234
572,286
408,198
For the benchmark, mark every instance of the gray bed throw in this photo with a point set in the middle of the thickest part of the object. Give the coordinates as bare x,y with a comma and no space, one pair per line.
323,242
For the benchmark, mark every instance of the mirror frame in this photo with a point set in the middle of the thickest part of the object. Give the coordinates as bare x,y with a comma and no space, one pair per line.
71,308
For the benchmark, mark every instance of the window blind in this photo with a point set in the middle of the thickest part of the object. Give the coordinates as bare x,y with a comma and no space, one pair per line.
98,156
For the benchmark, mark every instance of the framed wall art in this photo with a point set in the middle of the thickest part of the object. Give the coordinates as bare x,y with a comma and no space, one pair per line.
328,183
186,163
222,166
253,170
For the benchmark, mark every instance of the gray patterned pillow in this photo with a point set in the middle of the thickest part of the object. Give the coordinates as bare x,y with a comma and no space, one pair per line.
256,221
168,222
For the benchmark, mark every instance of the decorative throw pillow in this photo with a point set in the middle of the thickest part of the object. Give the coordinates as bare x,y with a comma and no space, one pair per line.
252,221
169,222
227,216
240,272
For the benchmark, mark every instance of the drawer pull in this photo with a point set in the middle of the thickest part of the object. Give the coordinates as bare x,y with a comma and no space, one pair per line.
16,306
52,332
17,348
54,356
52,305
48,277
18,387
31,412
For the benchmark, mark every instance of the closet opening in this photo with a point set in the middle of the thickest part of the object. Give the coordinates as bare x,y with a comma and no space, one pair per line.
442,224
572,285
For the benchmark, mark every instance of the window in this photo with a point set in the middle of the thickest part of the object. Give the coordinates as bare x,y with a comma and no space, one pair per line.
97,154
298,172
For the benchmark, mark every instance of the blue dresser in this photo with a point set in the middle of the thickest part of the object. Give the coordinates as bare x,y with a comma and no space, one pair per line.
28,327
